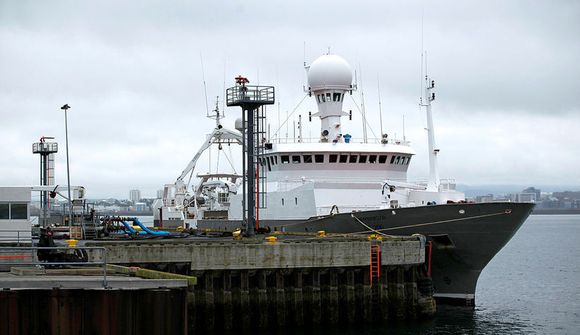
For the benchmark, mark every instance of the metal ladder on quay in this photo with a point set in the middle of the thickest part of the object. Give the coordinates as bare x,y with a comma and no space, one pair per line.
89,230
375,271
375,264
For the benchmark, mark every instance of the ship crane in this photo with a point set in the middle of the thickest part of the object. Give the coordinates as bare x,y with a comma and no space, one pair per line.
176,199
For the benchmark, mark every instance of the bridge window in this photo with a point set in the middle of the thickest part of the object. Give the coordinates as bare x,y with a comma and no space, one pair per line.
307,158
332,158
285,159
408,160
352,158
372,159
318,98
296,159
319,158
336,97
393,159
343,158
328,97
398,160
276,160
4,211
269,165
382,159
362,159
322,98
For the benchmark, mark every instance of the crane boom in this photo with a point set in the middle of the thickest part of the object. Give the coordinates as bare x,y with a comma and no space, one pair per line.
218,135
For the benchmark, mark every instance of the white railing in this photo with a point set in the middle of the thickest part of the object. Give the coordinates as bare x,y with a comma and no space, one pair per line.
352,140
336,209
447,184
15,236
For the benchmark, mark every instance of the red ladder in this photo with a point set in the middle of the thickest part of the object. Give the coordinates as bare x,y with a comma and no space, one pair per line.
375,273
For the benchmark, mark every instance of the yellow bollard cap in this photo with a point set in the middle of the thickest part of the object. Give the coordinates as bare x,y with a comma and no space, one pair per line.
72,243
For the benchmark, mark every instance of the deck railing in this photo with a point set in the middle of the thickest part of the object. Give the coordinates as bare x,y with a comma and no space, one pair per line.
27,256
355,140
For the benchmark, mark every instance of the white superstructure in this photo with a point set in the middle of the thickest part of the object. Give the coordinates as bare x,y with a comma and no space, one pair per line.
335,173
338,173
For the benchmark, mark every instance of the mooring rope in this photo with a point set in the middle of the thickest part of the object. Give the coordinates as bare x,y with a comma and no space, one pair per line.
366,226
425,224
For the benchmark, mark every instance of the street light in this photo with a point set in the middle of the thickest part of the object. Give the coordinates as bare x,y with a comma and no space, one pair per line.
65,108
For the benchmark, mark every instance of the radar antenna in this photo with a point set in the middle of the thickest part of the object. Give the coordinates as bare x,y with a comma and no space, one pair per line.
216,114
204,85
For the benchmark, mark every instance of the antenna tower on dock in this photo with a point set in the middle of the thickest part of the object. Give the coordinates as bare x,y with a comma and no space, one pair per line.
46,150
252,99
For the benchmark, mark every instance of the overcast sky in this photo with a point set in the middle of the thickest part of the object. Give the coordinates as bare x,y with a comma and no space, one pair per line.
507,73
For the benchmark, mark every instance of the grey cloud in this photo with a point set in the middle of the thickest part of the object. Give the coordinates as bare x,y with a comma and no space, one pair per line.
132,73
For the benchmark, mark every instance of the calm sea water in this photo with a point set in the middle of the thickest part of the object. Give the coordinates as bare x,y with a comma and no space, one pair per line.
532,286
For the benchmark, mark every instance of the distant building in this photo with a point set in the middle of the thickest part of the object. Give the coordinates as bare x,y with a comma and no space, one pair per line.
141,207
134,196
484,198
523,197
159,194
537,193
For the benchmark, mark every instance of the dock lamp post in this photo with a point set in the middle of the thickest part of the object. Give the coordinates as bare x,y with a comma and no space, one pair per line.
65,109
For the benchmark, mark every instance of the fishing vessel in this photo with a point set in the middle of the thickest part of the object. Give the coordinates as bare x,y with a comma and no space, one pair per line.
338,183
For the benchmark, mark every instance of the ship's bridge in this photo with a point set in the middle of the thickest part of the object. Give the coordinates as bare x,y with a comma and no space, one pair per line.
366,162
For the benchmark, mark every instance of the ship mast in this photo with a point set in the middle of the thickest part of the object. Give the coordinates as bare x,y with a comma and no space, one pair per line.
433,183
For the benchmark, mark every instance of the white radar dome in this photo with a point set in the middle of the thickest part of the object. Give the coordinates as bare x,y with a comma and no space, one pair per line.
329,72
239,125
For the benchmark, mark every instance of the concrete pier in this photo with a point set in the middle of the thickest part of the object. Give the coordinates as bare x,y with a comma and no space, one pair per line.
253,283
225,284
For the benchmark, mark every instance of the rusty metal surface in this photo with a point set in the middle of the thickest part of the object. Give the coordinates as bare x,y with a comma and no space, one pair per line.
157,311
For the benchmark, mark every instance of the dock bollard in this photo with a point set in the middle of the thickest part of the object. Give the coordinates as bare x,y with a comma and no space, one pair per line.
72,243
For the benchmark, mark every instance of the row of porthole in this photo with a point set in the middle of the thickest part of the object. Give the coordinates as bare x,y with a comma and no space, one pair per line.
335,158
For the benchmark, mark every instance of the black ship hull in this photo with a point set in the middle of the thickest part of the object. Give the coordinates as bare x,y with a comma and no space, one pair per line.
465,237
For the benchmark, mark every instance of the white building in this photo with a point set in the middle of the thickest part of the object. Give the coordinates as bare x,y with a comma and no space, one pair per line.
15,224
141,207
523,197
135,196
